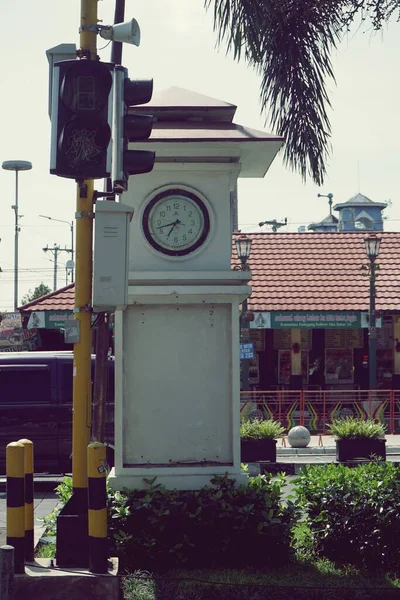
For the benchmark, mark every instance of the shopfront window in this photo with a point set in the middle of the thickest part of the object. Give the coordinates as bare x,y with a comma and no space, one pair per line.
339,365
285,366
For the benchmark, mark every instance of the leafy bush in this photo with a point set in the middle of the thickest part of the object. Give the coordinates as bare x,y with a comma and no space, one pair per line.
259,430
351,428
353,513
218,526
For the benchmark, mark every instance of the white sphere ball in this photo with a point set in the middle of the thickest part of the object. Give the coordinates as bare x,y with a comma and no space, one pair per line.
299,437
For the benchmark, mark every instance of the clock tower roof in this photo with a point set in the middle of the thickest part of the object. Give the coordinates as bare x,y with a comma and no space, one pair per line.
179,104
189,126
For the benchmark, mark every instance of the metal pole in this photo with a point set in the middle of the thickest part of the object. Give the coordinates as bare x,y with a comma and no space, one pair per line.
29,504
100,379
372,329
97,503
56,250
15,470
16,244
81,416
116,47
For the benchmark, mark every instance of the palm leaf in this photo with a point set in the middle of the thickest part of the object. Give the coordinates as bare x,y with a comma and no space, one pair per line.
289,43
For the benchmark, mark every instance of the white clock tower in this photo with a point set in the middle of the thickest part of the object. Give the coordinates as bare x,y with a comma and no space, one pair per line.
177,340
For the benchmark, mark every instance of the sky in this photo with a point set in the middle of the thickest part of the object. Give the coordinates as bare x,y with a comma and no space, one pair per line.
178,48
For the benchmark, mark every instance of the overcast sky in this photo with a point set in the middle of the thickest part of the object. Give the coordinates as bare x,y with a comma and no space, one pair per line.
179,49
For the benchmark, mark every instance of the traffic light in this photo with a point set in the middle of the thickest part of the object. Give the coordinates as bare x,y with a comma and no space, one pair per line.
130,127
81,119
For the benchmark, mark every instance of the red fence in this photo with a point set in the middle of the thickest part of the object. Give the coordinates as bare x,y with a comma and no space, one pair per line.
315,409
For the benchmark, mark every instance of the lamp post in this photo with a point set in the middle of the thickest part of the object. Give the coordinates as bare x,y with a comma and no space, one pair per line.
243,249
16,165
372,244
71,226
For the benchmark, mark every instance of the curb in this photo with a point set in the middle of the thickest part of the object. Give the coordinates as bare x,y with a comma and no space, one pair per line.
324,450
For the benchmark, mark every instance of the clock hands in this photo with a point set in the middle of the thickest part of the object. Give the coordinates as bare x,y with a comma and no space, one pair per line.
171,230
174,224
167,224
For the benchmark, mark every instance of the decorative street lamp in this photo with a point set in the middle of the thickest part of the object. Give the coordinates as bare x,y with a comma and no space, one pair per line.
16,165
372,245
243,249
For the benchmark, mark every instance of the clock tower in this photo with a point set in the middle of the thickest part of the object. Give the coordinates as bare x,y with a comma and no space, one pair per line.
177,396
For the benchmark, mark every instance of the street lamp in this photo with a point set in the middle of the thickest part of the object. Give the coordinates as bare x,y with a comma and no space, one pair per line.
71,226
372,245
16,165
243,249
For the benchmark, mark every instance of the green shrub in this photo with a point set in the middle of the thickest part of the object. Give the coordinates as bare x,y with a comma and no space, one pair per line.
353,513
351,428
218,526
259,430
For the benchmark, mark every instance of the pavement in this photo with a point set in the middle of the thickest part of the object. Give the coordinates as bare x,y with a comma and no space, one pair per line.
44,503
321,450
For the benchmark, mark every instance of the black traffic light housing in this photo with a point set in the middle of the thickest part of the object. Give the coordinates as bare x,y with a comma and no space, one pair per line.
130,127
81,119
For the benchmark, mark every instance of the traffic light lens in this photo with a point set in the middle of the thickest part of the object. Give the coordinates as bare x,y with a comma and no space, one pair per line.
83,143
88,90
86,93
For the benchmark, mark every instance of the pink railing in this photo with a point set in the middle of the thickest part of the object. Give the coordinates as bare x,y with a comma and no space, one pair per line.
315,409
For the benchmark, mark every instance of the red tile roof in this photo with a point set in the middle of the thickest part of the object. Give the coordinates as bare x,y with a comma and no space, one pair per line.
321,271
301,271
62,299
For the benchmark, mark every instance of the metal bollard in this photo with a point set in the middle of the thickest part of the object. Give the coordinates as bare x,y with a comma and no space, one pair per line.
29,506
97,504
6,572
15,471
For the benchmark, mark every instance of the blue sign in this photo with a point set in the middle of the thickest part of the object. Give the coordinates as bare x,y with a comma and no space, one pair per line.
246,351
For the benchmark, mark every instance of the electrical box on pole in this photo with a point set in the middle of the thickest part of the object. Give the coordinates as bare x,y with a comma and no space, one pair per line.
111,255
130,127
81,119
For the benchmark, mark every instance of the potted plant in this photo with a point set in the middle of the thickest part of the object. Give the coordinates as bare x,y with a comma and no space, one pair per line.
358,439
258,439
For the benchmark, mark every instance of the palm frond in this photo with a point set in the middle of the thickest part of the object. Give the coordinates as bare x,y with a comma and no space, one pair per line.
289,43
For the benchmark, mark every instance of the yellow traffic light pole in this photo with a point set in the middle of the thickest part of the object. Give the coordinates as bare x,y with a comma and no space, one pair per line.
83,292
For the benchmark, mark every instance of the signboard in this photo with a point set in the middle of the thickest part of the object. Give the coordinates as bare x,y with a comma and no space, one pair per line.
246,351
304,319
316,319
48,319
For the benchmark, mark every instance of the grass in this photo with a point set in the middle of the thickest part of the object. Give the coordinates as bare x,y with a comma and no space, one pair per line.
355,429
307,578
257,430
320,579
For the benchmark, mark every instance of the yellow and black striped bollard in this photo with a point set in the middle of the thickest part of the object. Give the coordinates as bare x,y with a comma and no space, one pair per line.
29,508
16,503
97,505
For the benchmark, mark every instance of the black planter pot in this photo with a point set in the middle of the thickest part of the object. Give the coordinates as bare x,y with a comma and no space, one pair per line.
360,449
258,450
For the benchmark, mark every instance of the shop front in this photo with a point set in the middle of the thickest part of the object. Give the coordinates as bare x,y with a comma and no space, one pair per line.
317,350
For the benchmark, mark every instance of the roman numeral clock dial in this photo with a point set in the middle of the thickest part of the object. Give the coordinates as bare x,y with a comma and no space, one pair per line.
176,222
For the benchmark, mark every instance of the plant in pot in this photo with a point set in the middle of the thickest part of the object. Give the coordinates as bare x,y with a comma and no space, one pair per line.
358,439
258,439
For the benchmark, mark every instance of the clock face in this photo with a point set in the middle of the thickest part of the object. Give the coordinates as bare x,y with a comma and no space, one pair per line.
176,222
